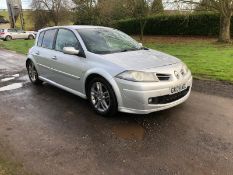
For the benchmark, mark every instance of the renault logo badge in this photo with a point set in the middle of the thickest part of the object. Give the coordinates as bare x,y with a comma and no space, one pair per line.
182,72
177,74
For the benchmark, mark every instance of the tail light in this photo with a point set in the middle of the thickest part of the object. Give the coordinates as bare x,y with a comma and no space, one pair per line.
2,33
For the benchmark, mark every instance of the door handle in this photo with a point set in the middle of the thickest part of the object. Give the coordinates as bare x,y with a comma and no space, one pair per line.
54,58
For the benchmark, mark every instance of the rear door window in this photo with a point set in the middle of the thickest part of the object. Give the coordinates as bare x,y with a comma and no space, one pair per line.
40,39
48,39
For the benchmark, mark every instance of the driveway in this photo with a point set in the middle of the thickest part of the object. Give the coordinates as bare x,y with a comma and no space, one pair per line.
52,132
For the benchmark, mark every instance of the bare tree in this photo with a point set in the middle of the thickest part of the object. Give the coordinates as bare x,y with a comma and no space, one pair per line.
157,6
104,12
140,10
56,9
111,10
224,8
86,11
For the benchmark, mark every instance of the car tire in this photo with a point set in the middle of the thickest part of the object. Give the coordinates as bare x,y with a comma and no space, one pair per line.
8,38
33,74
102,97
30,37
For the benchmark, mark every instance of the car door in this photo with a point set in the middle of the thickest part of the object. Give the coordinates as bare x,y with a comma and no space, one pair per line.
44,54
13,33
22,34
69,68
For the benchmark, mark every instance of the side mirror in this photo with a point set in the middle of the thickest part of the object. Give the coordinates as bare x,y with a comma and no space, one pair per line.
70,51
140,44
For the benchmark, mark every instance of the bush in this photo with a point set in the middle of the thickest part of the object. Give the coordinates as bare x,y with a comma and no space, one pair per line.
204,24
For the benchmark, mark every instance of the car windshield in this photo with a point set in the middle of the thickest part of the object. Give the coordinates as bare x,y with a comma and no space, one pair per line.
106,41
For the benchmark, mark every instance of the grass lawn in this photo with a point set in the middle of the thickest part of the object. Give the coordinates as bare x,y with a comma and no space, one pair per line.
7,168
205,57
20,46
10,168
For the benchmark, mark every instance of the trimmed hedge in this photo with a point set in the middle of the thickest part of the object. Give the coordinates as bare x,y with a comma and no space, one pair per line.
204,24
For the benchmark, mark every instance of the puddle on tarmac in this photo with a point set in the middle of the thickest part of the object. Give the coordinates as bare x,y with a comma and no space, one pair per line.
11,87
129,131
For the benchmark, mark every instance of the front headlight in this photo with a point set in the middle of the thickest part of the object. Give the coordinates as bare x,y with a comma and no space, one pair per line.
185,68
138,76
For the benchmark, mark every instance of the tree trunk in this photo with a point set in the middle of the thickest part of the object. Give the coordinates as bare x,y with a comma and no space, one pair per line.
141,31
225,26
142,27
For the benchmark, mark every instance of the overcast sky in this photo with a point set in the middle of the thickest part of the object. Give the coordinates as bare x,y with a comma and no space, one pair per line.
25,4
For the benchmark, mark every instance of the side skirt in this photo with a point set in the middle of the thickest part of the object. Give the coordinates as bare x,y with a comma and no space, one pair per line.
64,88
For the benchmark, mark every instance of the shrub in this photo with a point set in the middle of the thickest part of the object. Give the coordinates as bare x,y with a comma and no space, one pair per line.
202,24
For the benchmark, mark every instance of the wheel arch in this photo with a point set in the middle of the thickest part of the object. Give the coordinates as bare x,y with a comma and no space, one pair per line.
109,78
34,62
27,61
8,36
31,35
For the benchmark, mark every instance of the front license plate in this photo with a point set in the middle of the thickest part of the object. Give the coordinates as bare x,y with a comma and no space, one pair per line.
178,88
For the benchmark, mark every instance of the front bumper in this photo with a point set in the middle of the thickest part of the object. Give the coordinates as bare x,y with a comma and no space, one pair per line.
135,95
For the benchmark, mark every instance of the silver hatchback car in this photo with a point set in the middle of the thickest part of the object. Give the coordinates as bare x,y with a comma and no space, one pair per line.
109,68
9,34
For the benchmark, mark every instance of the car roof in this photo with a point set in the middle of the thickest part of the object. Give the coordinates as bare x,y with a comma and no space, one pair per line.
74,27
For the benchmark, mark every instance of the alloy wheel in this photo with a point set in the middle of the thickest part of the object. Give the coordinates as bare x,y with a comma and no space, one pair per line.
100,97
32,72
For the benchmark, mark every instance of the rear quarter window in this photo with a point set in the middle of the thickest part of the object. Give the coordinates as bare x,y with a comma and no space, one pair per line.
11,30
48,38
40,39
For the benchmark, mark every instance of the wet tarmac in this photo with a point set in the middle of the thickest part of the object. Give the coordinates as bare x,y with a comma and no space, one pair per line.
52,132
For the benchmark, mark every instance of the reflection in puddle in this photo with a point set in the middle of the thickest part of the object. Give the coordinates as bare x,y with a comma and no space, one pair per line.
10,78
11,87
15,75
130,131
24,78
7,79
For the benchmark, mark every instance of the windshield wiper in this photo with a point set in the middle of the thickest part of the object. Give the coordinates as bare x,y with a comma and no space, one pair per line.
143,48
134,49
126,50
